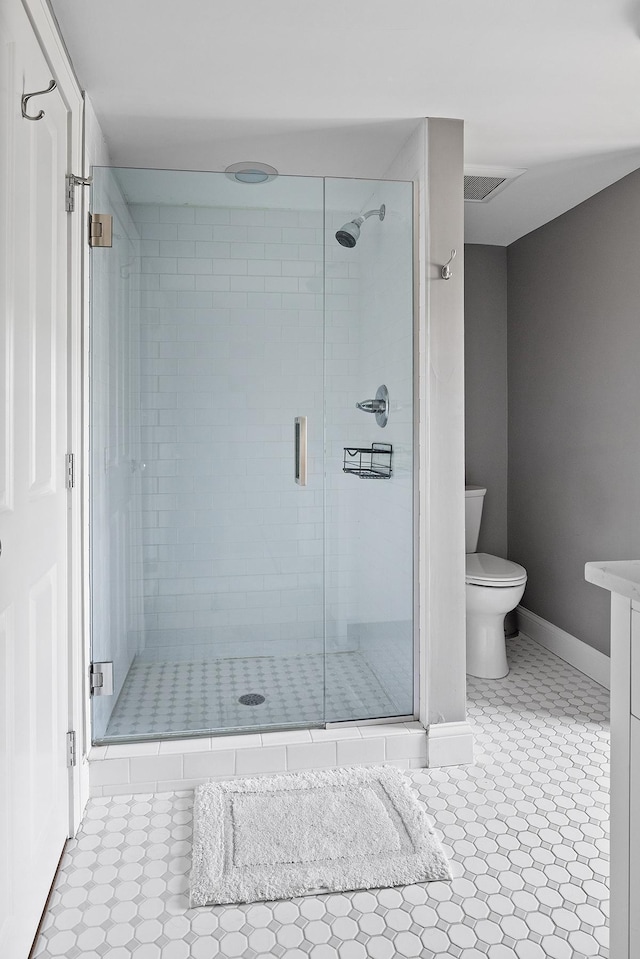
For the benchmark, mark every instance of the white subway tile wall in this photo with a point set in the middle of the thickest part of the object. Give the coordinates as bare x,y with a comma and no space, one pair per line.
232,351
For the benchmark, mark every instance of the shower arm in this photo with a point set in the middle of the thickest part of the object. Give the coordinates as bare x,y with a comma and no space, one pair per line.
379,212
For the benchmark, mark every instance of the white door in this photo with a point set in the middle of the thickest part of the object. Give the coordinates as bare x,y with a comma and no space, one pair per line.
34,651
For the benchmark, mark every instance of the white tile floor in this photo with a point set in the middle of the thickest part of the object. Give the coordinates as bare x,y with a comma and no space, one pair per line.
525,826
183,697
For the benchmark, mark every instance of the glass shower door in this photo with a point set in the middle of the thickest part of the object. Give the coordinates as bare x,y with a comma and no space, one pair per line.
207,540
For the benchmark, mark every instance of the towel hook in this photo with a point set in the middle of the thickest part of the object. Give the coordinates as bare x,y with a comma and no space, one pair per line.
27,96
445,272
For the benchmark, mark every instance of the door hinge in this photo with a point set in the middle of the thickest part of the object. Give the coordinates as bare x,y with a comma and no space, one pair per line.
69,470
71,748
101,679
71,181
100,229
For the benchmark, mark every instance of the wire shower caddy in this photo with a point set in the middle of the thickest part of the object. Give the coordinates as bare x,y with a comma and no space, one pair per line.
369,462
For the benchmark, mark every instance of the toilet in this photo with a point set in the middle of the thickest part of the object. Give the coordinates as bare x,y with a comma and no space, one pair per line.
494,586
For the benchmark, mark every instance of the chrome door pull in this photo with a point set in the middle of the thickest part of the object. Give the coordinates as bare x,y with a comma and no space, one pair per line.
300,443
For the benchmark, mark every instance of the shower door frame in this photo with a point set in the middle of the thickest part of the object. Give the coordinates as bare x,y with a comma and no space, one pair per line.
415,529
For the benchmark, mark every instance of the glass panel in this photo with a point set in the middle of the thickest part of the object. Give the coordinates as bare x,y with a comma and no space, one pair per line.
115,447
207,556
369,521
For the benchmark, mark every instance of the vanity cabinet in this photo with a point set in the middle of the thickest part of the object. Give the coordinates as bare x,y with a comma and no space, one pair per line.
634,786
635,660
622,579
634,841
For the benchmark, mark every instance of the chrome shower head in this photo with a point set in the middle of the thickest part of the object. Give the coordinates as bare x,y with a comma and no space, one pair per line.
349,234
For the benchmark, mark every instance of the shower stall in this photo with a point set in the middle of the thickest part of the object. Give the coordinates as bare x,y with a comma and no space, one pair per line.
251,435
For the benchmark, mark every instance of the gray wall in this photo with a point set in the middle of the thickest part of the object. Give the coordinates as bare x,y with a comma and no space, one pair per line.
485,359
574,405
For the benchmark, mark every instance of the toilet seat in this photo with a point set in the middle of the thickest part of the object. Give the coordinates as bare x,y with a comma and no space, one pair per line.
483,569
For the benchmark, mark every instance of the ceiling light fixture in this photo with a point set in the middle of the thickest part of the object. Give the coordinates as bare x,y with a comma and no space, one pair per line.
249,171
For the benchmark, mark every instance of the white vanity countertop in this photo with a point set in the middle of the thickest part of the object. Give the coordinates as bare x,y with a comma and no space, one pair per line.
618,576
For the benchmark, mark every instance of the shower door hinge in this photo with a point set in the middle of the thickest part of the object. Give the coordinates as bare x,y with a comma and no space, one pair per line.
68,468
71,748
71,181
100,229
101,679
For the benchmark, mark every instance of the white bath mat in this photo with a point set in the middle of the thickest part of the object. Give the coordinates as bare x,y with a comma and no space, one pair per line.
319,831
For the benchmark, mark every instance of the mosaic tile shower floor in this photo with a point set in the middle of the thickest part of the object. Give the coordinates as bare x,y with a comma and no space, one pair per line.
158,698
525,827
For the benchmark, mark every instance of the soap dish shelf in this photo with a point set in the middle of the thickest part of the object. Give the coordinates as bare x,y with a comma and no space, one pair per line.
370,462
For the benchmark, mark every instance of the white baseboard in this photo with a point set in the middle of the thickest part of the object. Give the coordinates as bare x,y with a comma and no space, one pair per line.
449,744
585,658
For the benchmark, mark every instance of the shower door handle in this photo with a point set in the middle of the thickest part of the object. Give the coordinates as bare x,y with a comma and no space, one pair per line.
300,445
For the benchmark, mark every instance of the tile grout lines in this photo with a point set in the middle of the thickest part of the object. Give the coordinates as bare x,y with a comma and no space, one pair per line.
173,697
525,826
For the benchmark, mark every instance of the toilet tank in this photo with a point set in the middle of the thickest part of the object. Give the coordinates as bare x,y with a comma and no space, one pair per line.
473,503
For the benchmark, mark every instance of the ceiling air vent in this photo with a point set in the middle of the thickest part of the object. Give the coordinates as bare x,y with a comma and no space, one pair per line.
481,184
479,187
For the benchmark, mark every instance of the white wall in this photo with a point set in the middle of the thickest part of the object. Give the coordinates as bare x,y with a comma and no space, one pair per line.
433,158
443,416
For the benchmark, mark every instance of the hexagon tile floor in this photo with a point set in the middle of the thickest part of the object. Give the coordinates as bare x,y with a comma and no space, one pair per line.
525,827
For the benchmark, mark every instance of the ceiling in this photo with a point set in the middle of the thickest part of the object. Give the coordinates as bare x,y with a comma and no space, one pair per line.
335,87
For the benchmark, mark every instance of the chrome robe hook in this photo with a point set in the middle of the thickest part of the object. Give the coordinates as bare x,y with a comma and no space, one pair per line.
445,272
27,96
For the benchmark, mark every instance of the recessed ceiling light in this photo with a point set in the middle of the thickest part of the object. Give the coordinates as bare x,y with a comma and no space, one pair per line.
251,172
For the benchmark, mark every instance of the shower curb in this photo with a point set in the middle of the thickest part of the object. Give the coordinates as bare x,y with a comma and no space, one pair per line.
163,766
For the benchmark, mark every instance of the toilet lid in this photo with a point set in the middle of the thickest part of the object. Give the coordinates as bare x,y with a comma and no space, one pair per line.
483,569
